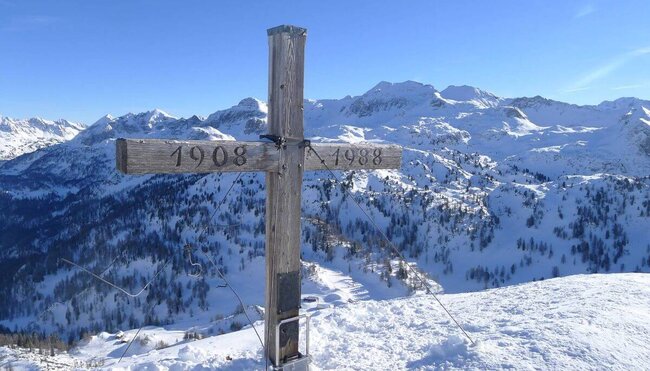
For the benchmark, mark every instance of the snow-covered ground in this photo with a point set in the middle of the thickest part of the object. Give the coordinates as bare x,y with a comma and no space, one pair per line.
492,192
599,321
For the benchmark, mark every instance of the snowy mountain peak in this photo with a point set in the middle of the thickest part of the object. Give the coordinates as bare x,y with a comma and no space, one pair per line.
129,125
103,120
252,104
536,101
247,119
19,136
625,103
465,93
37,123
404,88
157,115
385,99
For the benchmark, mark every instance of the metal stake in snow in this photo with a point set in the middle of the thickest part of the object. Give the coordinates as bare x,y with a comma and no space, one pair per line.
283,159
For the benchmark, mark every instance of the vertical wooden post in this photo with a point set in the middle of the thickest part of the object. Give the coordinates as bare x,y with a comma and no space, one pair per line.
285,119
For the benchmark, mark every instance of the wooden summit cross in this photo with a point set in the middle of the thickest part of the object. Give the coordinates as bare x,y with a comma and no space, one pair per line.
284,160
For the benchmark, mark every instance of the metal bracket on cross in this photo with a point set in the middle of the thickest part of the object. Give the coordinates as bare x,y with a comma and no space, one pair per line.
278,140
301,361
282,142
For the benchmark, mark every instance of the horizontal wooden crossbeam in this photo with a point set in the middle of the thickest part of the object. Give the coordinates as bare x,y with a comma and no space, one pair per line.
159,156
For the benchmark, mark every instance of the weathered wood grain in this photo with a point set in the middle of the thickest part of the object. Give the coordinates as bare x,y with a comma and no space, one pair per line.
121,155
156,156
285,118
347,156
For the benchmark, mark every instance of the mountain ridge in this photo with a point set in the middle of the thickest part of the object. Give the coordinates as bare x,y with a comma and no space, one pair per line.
487,196
19,136
465,93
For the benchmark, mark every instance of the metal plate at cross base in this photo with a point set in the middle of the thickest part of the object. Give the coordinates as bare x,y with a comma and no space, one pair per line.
298,364
302,361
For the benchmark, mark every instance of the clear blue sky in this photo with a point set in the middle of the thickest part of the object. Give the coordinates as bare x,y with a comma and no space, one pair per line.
82,59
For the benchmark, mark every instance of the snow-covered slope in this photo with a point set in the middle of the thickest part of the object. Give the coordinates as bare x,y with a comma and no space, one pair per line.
24,136
491,192
570,323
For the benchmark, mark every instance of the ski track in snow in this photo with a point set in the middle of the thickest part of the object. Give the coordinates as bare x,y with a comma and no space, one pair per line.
578,322
335,282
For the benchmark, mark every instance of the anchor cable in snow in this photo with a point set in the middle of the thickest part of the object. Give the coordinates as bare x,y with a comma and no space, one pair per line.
221,203
49,308
130,342
393,247
114,285
188,248
241,302
98,276
135,336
